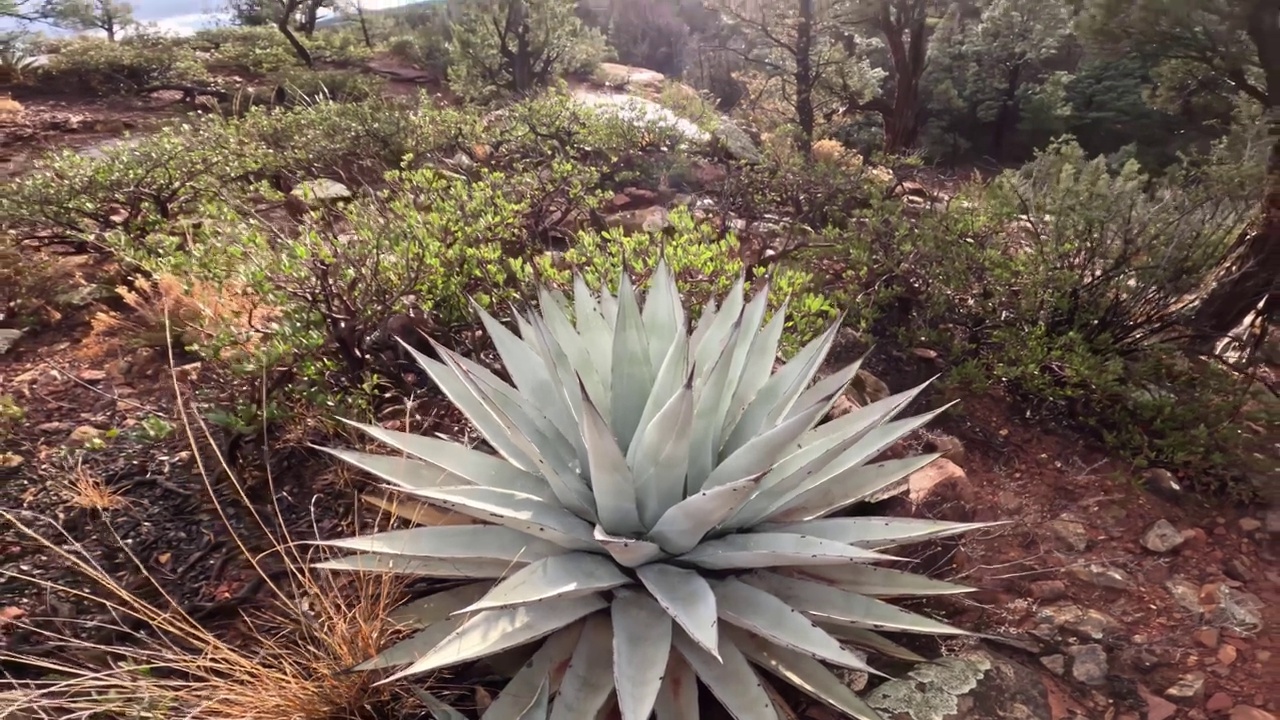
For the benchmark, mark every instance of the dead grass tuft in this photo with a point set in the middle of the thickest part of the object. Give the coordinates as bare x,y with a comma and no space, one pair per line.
86,490
288,662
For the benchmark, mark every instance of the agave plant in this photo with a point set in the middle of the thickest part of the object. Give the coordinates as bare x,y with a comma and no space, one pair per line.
661,505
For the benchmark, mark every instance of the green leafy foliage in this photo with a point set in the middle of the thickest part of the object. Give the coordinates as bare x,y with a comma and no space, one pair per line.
114,68
518,45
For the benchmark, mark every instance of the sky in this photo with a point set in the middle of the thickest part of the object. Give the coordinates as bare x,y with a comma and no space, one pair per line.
185,16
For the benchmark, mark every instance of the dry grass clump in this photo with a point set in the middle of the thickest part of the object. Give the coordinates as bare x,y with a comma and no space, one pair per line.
288,662
191,313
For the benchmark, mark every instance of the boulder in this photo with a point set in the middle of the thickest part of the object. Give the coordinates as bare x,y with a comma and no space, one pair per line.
8,338
975,685
618,75
646,220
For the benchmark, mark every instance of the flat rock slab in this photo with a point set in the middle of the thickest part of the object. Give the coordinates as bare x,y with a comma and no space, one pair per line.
973,686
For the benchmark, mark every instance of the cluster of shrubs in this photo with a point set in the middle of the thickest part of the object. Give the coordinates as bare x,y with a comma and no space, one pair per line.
1062,282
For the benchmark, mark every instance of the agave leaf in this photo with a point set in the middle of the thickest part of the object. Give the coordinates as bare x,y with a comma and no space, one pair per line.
662,458
597,336
421,567
663,313
417,512
846,488
687,598
780,392
861,420
439,709
673,376
537,709
749,332
878,532
804,673
758,365
471,466
641,645
586,684
707,417
467,399
872,641
633,373
492,631
611,481
569,385
524,689
436,607
881,582
608,307
730,678
761,550
768,616
518,511
549,451
465,542
558,576
682,527
576,352
758,456
875,442
678,695
629,552
719,336
832,605
414,646
398,470
531,373
700,328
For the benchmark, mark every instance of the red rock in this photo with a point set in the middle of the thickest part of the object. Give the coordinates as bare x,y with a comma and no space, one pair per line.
1157,707
1244,712
1227,654
1219,702
1207,637
1195,537
1048,590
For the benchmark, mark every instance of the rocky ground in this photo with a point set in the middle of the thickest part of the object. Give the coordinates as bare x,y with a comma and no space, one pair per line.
1110,594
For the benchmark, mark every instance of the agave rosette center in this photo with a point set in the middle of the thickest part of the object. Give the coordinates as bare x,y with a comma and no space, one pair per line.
662,502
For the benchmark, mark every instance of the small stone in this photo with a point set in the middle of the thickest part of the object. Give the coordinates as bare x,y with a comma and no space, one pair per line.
1092,624
9,461
1048,590
1262,656
1162,483
868,388
946,446
1195,537
1157,707
1056,664
1236,569
1187,687
93,375
1161,537
1218,702
52,427
1088,664
1227,654
925,354
83,434
1245,712
1071,535
1271,521
1207,636
1249,524
8,338
1186,595
1103,576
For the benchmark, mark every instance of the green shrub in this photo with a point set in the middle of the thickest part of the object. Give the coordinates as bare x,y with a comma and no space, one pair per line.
297,86
121,68
493,50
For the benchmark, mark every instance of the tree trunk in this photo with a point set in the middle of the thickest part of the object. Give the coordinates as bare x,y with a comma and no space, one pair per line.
1253,277
804,76
902,23
1006,114
522,73
283,25
364,25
